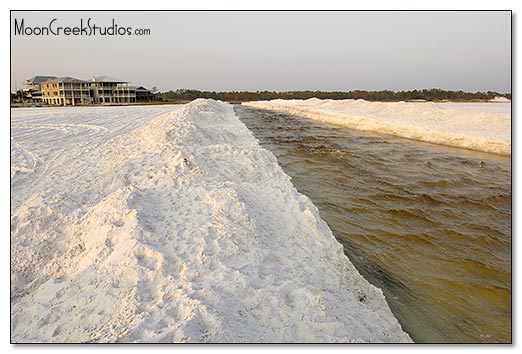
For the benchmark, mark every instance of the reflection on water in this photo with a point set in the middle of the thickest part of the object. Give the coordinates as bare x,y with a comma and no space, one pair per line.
429,225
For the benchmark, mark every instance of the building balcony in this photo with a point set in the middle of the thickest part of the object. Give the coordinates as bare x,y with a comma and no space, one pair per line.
77,95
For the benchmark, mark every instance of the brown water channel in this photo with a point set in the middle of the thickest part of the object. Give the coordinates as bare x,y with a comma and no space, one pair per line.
429,225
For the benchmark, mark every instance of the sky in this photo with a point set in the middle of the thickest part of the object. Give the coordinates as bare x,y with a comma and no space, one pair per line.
266,50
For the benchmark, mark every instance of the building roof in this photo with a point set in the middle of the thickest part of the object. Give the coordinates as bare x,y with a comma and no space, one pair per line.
38,79
67,79
107,79
138,88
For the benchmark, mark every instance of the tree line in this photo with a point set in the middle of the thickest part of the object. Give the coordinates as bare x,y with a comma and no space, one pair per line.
384,95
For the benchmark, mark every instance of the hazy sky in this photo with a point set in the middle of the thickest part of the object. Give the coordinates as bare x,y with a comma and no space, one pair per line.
468,51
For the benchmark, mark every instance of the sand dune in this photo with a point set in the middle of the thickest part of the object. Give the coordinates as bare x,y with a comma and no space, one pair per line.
178,228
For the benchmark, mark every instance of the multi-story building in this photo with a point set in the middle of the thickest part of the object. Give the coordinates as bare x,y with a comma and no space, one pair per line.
35,83
63,91
106,89
33,87
142,94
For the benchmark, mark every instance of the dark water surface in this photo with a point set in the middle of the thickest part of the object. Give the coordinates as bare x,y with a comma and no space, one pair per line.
429,225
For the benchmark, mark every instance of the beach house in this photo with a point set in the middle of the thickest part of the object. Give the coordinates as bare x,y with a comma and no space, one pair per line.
64,91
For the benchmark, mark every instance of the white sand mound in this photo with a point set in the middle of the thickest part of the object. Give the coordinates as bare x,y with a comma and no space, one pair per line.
186,231
424,121
500,99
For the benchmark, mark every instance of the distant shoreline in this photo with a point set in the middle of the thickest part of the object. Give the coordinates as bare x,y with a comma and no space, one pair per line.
155,103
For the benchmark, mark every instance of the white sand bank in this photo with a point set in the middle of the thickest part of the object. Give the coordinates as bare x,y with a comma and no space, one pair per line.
424,121
181,229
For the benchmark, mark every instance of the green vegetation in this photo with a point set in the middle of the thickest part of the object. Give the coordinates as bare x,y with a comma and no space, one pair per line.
385,95
184,96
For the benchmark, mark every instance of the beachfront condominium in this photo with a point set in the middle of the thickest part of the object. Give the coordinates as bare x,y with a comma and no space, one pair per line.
33,86
106,89
63,91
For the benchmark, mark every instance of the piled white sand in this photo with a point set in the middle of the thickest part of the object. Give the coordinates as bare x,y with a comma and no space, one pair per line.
424,121
500,99
182,229
482,107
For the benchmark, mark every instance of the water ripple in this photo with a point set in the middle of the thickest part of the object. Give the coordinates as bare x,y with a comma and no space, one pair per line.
430,225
